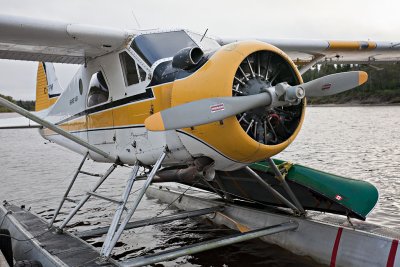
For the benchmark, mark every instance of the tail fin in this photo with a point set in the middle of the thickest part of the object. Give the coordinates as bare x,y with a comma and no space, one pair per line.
48,88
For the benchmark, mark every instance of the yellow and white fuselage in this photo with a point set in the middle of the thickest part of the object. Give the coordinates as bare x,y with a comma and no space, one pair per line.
115,122
116,101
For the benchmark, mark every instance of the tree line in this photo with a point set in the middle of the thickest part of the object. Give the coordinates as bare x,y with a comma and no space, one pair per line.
382,87
28,105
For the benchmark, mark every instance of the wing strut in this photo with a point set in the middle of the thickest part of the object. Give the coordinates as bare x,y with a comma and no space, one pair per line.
53,127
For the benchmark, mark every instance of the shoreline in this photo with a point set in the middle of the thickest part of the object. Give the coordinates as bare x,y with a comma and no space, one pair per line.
355,105
330,105
317,105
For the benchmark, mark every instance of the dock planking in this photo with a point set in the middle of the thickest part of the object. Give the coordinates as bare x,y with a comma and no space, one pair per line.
64,247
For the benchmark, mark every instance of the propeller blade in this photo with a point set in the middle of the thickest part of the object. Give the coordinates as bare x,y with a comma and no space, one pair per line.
334,83
204,111
216,109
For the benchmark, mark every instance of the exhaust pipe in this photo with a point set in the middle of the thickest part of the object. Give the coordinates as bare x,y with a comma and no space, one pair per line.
202,168
187,58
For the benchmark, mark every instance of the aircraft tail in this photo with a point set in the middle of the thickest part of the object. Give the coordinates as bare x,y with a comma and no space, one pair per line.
48,89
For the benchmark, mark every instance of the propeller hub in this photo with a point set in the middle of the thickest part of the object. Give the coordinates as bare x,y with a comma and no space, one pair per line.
300,93
294,93
255,86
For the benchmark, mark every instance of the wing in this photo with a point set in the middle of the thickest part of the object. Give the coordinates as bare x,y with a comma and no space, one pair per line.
17,123
314,51
31,39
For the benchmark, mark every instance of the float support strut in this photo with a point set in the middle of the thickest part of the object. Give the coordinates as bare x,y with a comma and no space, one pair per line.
114,236
272,190
65,197
208,245
154,220
285,185
120,209
86,198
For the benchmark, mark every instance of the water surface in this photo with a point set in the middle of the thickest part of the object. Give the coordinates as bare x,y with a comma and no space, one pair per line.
358,142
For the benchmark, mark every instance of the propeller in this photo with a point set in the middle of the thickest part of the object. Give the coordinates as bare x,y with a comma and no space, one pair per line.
216,109
335,83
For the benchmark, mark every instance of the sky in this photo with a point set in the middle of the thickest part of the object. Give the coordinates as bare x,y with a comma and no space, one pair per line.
307,19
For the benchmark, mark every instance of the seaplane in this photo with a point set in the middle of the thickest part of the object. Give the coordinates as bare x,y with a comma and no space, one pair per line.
180,106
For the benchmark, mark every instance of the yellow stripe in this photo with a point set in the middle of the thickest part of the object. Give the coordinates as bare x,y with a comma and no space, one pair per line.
343,45
100,120
351,45
76,124
362,77
42,97
131,114
138,112
155,122
371,45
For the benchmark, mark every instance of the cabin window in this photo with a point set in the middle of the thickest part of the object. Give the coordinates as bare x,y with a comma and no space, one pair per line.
98,90
129,69
142,74
80,86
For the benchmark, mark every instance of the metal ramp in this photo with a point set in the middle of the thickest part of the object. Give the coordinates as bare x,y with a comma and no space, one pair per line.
38,242
34,240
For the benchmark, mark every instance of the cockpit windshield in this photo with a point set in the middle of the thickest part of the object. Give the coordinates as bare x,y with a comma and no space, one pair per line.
155,46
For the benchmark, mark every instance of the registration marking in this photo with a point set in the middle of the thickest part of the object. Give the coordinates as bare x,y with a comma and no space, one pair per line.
217,107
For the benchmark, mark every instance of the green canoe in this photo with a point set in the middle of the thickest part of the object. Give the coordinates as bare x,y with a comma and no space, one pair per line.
316,190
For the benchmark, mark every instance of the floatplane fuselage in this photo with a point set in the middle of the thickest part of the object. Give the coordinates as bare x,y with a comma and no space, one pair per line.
109,99
246,100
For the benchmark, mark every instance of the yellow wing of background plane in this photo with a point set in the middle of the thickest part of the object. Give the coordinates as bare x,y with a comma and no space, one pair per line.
304,52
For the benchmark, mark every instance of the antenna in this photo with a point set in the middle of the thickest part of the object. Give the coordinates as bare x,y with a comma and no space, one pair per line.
204,35
137,22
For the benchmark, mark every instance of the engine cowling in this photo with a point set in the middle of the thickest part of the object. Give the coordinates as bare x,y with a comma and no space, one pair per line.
238,69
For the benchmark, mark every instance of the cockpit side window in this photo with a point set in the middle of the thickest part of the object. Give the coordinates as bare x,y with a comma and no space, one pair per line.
155,46
208,44
142,74
98,90
129,69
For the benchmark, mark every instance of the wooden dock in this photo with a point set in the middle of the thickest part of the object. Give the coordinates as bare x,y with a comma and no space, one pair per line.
33,240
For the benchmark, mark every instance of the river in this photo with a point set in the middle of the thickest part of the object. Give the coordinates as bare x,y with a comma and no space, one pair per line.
357,142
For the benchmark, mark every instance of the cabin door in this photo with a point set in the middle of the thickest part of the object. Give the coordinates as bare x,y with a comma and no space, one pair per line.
100,122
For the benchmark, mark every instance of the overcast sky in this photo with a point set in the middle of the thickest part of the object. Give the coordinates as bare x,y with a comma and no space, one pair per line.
307,19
